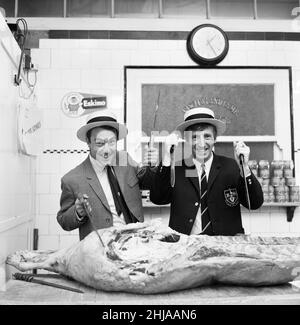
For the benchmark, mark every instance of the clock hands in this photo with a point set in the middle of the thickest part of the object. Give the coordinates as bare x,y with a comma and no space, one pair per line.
209,43
211,38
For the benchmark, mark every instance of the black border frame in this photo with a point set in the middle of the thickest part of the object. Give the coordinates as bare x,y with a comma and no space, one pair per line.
288,68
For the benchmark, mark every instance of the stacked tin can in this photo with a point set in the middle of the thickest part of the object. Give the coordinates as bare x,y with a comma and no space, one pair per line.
253,165
290,181
264,175
281,191
277,181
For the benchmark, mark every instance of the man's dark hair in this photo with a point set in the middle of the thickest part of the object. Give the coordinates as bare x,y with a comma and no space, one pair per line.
110,128
201,127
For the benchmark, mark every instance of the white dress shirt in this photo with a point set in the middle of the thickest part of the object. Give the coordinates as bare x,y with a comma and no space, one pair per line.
197,227
101,173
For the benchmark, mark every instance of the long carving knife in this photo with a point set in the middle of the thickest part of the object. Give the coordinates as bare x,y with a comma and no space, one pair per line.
86,208
30,278
245,181
151,141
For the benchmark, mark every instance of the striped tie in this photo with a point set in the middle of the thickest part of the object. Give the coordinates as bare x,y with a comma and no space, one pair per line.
203,201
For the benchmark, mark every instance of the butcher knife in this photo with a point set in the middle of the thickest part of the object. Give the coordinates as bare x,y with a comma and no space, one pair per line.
83,200
241,156
151,141
30,278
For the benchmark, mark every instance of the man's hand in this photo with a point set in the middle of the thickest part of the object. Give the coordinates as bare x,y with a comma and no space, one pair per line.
171,140
80,207
151,156
240,148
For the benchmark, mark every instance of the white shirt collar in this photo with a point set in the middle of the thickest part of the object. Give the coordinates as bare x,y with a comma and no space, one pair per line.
207,164
96,165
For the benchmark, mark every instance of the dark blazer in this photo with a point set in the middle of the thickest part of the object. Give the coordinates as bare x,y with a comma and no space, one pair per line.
226,190
84,180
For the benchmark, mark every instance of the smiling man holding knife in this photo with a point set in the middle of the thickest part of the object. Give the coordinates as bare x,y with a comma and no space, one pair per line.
209,188
104,190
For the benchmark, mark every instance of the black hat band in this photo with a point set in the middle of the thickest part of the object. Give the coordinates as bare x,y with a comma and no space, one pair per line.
196,116
102,119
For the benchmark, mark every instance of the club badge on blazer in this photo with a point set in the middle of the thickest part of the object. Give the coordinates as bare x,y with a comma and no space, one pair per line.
231,197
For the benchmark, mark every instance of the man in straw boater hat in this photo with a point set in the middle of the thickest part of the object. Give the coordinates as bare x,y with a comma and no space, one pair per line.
209,188
104,190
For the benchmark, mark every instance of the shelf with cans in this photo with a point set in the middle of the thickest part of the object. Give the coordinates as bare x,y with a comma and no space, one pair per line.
278,184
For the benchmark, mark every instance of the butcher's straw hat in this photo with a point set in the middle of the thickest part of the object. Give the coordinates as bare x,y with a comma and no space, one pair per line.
102,118
201,115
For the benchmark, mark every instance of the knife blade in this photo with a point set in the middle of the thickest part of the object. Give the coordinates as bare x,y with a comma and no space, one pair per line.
241,157
151,141
83,200
30,278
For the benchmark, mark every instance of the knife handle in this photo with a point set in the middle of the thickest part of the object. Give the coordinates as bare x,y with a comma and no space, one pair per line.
172,175
241,156
23,277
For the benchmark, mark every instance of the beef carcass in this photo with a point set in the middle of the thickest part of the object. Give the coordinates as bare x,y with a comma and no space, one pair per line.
152,258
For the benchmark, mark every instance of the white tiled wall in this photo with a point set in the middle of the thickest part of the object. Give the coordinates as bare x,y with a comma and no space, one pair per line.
96,66
17,171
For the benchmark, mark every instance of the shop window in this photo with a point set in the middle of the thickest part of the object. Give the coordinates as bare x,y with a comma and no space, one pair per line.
37,8
88,8
206,9
9,7
232,8
136,7
276,9
184,8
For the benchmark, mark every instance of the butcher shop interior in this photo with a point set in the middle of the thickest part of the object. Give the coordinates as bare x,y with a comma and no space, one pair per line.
145,72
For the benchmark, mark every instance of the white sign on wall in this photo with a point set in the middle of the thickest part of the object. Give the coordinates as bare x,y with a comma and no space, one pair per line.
30,132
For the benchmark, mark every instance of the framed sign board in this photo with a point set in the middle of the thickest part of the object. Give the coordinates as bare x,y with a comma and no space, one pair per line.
255,103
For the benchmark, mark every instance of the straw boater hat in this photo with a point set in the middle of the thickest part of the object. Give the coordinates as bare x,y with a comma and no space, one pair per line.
201,115
102,118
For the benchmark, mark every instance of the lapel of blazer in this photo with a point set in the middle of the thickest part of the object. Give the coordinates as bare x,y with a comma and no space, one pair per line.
93,180
214,170
191,173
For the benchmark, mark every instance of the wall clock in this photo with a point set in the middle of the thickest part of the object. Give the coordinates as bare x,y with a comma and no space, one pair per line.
207,44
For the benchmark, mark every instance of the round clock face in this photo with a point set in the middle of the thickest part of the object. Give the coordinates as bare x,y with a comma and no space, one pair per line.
207,44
